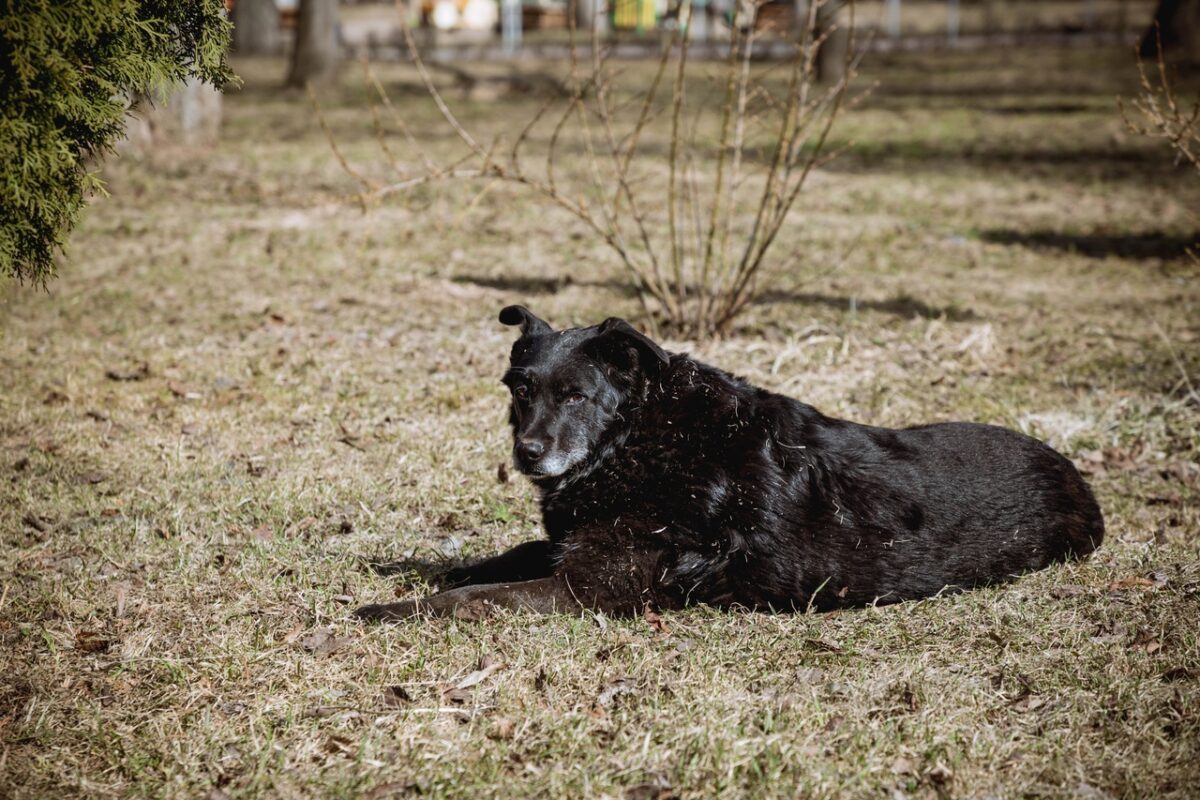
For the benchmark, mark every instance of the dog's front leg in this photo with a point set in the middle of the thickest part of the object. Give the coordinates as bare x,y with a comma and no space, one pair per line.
542,596
525,562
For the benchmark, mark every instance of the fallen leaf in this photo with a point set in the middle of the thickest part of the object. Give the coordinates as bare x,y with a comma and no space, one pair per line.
903,766
655,621
940,774
616,689
1146,642
54,397
391,790
37,523
182,391
657,788
1132,582
1106,634
1067,590
91,642
502,729
1028,702
136,372
396,696
487,666
122,594
339,745
322,642
291,636
263,533
458,697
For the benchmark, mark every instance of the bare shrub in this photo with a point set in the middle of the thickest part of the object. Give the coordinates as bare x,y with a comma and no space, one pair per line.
695,241
1162,115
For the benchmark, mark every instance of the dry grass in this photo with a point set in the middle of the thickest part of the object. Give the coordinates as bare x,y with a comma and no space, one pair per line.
179,550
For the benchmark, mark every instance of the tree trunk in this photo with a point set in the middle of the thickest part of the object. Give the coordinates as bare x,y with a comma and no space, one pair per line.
255,27
189,116
1178,23
833,21
315,56
592,12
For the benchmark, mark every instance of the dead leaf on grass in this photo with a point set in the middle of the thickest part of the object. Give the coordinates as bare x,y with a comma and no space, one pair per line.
37,523
1132,582
1067,590
1028,702
941,774
182,391
122,595
340,745
616,689
396,696
1146,642
502,729
457,697
656,788
391,789
55,397
655,621
322,642
487,666
136,372
92,642
903,766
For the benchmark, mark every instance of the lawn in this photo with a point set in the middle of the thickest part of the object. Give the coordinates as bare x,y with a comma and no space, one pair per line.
246,406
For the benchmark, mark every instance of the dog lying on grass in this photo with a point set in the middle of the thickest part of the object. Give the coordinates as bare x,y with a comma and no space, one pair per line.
666,482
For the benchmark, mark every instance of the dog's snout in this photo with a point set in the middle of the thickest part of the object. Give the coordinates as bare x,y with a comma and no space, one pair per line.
531,449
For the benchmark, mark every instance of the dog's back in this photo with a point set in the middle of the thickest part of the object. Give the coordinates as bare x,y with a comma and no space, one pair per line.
767,502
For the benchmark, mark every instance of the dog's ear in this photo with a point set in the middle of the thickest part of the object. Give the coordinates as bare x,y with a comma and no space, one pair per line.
624,347
531,325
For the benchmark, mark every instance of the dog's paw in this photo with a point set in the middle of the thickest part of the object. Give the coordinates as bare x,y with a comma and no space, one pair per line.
389,612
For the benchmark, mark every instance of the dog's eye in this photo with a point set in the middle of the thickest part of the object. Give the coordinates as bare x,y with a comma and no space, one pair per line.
522,392
573,398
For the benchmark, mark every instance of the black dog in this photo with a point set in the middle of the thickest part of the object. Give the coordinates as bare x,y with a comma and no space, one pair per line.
666,482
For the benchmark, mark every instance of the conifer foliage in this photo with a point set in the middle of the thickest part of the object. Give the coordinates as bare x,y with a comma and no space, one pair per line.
67,73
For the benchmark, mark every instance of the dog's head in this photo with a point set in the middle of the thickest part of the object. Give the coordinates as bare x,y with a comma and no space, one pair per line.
568,387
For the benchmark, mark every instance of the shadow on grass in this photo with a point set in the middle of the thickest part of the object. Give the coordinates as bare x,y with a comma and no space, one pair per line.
901,306
530,284
412,571
1098,245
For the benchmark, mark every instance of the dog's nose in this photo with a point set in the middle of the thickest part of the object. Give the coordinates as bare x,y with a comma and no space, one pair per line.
530,449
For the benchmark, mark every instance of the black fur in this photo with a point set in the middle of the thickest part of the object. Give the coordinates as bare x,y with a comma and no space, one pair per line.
666,482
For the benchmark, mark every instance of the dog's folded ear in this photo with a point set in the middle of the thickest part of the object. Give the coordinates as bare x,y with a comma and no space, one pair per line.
531,325
627,349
